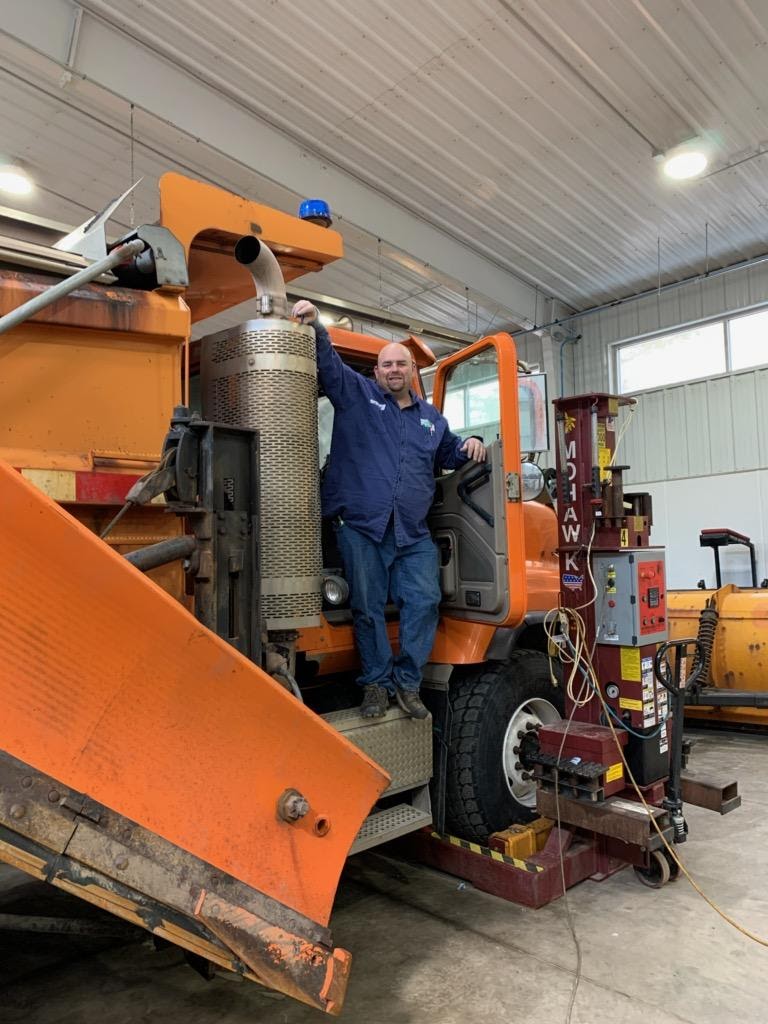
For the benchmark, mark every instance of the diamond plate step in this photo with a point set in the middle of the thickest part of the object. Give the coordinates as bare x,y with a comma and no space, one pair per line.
381,826
400,744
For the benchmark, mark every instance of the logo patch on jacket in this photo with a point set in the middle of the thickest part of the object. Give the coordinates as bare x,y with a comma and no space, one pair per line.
428,425
379,405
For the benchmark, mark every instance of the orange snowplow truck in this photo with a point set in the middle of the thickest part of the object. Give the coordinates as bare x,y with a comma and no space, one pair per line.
179,742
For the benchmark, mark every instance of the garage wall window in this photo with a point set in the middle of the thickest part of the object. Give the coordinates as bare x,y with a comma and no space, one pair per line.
748,340
702,351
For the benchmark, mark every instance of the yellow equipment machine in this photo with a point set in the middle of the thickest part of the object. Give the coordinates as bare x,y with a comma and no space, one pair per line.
732,623
737,634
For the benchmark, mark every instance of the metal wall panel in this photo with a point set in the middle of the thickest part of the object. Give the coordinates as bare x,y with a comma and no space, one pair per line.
761,417
676,426
719,425
745,420
697,418
655,435
633,442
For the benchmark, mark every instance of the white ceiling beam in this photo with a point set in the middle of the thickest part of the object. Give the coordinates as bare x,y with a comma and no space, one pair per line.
121,64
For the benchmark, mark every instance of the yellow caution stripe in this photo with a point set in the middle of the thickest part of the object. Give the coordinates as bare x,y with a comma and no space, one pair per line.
485,851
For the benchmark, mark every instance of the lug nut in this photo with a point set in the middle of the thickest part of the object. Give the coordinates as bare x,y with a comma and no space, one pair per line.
518,766
17,811
527,776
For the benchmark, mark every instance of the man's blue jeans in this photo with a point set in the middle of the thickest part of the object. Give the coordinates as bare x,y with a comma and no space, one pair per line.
410,575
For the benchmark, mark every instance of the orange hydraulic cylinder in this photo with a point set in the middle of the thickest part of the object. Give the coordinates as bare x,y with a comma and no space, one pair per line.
113,688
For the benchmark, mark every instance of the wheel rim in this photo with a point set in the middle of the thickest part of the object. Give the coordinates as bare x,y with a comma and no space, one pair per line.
527,715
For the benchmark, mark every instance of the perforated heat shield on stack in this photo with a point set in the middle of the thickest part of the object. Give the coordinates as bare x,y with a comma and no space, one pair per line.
263,374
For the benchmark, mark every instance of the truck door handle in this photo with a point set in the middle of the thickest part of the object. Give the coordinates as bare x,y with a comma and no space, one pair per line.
469,484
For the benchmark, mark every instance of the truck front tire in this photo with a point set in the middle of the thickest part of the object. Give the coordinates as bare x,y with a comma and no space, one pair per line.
490,707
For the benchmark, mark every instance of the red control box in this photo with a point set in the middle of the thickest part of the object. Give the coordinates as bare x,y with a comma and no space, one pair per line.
651,597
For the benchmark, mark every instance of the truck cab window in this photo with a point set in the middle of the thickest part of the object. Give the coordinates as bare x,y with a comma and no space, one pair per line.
471,403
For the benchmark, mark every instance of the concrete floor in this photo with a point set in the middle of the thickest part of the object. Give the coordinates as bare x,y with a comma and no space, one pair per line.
429,951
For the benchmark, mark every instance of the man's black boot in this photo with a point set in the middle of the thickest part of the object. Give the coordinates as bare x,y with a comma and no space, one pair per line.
410,702
375,701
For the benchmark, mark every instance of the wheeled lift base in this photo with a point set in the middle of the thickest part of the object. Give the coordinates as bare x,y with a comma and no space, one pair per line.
533,882
594,840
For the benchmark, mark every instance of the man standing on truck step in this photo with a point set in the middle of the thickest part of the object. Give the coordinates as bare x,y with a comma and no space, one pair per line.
380,482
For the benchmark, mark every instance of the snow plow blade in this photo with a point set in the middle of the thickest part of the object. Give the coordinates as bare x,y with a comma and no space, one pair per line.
143,761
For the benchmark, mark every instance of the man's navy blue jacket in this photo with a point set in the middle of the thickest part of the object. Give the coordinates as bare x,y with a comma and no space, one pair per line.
383,458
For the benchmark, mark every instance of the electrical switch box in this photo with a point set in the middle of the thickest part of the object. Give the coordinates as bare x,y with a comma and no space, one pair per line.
631,601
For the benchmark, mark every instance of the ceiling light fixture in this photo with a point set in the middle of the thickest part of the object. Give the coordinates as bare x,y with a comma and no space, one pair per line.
14,180
686,161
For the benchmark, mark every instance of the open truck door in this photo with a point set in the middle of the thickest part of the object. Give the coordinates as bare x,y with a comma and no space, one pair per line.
477,519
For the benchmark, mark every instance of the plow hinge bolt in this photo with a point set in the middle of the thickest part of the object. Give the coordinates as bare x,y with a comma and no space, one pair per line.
292,805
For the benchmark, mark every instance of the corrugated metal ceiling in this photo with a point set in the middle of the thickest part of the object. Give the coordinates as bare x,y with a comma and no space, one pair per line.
77,143
526,127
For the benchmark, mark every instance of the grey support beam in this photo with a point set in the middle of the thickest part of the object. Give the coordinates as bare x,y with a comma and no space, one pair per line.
130,69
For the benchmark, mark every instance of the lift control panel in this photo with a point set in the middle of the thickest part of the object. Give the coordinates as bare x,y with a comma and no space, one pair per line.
631,605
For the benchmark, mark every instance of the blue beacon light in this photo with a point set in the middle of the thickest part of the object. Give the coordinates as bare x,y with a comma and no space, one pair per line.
317,211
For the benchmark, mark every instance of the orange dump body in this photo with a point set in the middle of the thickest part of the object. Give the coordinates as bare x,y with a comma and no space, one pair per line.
86,393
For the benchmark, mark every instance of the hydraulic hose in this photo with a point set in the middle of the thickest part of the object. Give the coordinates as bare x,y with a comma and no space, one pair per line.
120,254
706,636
